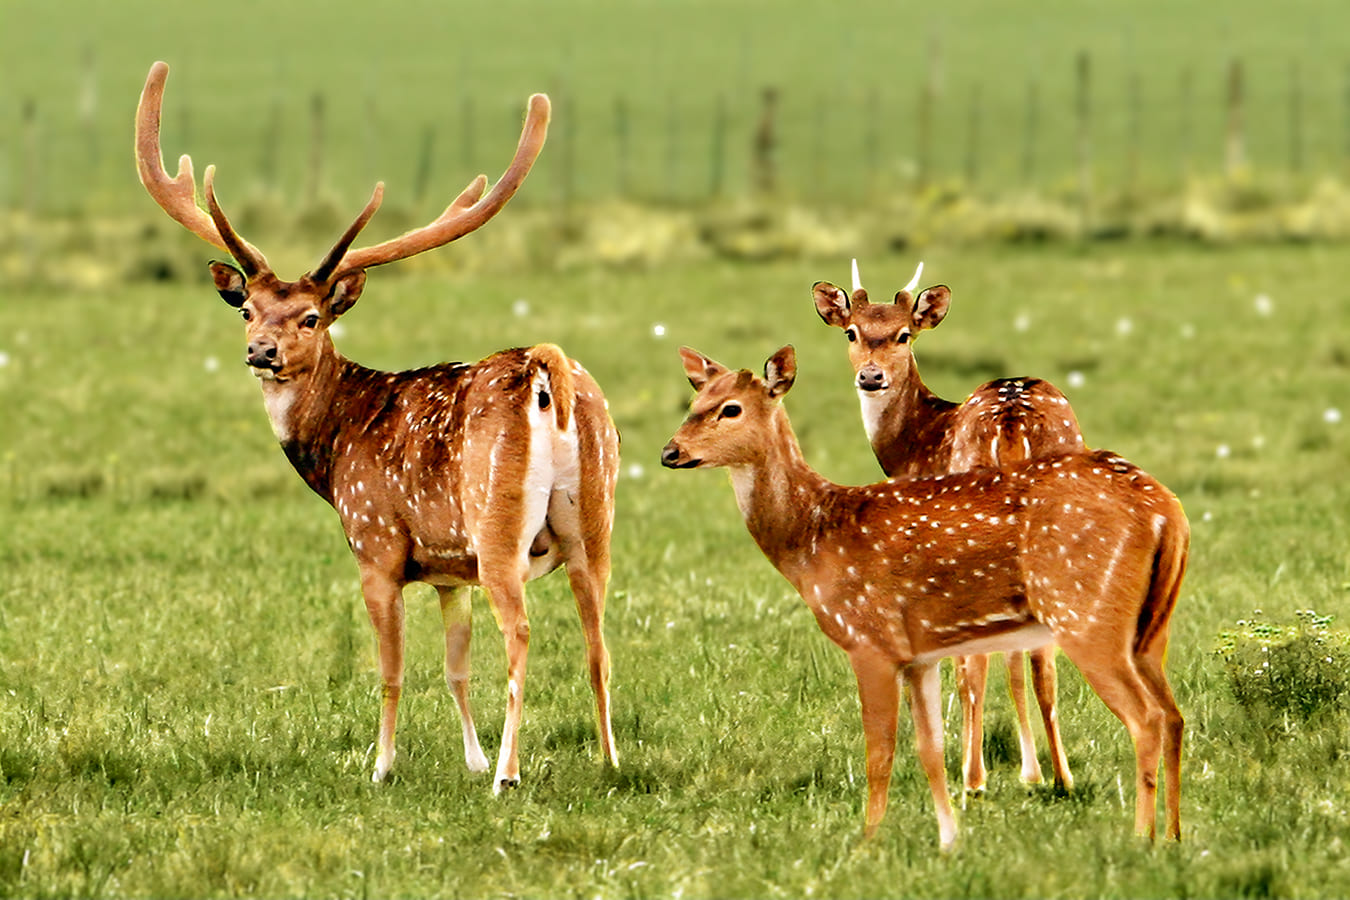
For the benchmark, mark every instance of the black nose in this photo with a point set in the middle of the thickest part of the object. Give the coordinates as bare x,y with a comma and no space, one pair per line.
262,354
871,378
670,456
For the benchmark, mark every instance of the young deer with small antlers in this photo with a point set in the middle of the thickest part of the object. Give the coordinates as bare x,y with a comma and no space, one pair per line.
914,432
454,475
1085,550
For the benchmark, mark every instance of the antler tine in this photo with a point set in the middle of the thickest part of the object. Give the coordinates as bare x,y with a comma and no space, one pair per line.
177,195
468,212
244,253
325,270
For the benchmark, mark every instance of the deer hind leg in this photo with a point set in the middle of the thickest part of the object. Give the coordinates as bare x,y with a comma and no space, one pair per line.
1026,741
1151,666
972,673
504,582
384,603
925,702
1127,693
456,616
1045,682
588,578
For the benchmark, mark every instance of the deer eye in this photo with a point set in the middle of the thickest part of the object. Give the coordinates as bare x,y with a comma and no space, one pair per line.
246,313
903,338
730,411
851,333
310,321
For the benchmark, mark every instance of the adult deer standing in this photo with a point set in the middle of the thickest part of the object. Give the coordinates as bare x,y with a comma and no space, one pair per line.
914,432
453,475
1084,549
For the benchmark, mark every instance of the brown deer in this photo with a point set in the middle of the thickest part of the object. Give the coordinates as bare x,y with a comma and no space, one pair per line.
914,432
1085,550
454,475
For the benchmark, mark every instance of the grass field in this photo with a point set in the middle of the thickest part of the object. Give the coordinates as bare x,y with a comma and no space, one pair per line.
188,690
189,681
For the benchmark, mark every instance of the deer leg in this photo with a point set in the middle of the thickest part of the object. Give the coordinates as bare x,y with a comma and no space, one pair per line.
1045,682
971,676
1151,666
384,603
879,693
456,616
1126,693
589,591
505,585
1017,687
925,702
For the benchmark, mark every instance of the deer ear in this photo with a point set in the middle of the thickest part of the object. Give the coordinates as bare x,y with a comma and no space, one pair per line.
346,291
230,283
832,304
781,371
931,306
699,368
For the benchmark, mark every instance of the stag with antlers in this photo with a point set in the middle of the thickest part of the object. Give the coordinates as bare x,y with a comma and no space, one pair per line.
915,432
1085,550
490,474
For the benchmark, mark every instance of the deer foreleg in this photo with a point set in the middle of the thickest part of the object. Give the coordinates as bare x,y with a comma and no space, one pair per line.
456,615
925,701
384,603
879,693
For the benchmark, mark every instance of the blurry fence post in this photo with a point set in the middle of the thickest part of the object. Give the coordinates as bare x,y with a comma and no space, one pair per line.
1031,138
672,148
1185,128
316,126
425,159
1083,109
871,132
973,138
621,149
1133,135
1235,157
766,143
717,164
1295,118
32,179
89,108
923,126
467,123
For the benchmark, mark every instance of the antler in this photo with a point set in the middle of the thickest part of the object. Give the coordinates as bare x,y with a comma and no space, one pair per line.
177,196
468,212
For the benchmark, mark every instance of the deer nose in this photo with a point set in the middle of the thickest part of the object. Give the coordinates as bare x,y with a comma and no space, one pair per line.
262,353
670,456
871,378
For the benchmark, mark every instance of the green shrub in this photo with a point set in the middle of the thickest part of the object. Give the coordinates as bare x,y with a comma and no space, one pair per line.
1299,669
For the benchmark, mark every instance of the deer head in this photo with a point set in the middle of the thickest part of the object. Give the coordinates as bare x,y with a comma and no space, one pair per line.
730,413
881,335
287,321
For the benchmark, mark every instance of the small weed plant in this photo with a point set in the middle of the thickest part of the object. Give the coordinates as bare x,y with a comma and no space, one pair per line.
1299,669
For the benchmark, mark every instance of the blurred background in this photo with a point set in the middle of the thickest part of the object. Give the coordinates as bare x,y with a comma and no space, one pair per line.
741,128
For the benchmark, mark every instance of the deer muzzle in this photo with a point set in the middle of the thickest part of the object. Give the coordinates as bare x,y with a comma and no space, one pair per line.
871,378
673,457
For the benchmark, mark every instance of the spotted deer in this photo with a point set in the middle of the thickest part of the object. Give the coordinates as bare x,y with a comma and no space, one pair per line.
1085,550
915,432
491,473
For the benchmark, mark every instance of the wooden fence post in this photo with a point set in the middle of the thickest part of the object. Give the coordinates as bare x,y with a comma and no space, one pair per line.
1235,158
1083,107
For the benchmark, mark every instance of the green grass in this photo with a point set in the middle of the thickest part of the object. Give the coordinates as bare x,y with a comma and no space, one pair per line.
187,679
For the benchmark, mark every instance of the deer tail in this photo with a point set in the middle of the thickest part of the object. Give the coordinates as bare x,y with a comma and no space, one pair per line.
1169,565
559,390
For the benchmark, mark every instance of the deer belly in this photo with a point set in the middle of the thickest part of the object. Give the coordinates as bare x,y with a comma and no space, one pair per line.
985,637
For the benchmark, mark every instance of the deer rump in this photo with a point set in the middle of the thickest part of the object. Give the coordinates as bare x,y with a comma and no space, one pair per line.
511,418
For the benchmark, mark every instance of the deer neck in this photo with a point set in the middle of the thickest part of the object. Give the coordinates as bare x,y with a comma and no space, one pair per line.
777,495
305,416
907,426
